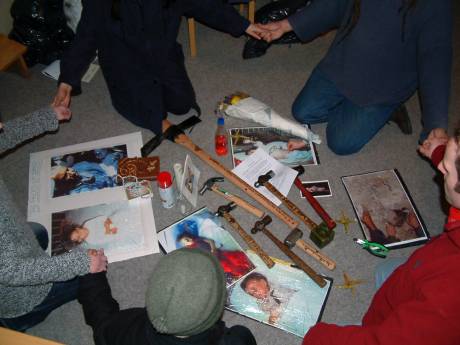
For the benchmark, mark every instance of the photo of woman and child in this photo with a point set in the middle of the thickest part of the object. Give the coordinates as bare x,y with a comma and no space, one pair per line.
85,171
202,230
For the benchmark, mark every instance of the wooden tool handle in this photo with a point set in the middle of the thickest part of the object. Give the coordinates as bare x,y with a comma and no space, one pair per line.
240,202
315,253
315,204
252,244
185,141
297,260
291,206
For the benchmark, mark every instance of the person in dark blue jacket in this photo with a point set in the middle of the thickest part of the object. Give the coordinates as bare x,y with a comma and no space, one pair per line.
382,53
138,52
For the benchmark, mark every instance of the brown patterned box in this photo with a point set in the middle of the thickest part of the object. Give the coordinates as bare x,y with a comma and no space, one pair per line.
144,168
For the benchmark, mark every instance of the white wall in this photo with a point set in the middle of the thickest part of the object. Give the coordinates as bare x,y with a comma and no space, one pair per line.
6,22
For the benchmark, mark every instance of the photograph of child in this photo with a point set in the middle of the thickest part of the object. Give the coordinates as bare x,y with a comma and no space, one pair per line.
317,188
86,170
384,209
287,149
115,227
202,230
283,297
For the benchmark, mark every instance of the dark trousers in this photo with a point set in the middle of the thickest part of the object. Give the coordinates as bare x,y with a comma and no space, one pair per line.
60,293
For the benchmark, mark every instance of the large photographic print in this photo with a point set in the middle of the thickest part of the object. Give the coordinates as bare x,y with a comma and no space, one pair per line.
202,230
384,209
85,171
285,148
282,296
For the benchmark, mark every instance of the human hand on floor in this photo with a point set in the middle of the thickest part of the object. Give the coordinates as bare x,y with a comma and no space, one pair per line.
62,113
437,136
255,31
98,260
62,97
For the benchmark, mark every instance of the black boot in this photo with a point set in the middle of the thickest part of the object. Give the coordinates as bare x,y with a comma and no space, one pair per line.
401,117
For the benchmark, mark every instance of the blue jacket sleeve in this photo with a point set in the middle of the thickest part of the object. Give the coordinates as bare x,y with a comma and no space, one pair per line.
319,17
434,65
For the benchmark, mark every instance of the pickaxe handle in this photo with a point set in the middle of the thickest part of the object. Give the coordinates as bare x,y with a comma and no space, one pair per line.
315,253
315,204
297,260
186,142
252,244
239,201
291,206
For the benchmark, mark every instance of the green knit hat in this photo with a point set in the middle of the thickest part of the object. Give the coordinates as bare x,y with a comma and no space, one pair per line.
186,292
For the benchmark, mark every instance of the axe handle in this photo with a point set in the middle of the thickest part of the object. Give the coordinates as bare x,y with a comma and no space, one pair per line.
297,260
315,204
252,244
291,206
240,202
186,142
315,253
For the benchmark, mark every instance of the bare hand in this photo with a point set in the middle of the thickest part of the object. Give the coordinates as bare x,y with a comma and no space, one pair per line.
62,97
294,144
275,30
437,137
62,113
98,261
255,31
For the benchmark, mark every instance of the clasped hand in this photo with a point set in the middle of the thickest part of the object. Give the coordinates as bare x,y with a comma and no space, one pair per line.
270,31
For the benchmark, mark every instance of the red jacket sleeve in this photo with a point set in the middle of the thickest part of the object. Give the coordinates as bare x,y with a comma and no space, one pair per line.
438,155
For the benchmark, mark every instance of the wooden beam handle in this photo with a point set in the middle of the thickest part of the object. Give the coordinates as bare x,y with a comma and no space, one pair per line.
315,253
185,141
297,260
252,244
239,201
291,206
315,204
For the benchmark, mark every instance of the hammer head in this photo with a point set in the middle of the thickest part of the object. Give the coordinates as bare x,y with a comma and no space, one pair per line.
225,209
209,183
300,170
293,237
264,179
261,224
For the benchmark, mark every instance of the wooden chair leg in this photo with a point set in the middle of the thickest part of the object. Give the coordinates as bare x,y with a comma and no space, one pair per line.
23,67
251,10
242,6
192,36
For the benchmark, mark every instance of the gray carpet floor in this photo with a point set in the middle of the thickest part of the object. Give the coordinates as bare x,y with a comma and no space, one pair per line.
275,79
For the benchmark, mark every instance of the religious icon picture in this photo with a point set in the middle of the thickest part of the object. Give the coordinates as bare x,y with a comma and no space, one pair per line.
189,182
285,148
385,209
202,230
282,296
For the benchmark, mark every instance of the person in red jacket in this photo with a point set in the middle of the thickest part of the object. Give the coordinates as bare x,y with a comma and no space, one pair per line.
419,303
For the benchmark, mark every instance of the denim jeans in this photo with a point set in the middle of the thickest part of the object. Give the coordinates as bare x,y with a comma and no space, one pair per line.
349,126
60,293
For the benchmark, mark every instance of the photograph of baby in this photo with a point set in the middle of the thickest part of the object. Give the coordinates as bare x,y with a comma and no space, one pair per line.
317,188
202,230
287,149
85,171
384,209
283,297
115,227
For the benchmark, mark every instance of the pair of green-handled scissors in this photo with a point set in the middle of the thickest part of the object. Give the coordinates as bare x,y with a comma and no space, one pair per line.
374,248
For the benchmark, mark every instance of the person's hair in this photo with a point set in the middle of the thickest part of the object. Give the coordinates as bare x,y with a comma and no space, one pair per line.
252,276
62,186
66,229
355,13
186,234
457,160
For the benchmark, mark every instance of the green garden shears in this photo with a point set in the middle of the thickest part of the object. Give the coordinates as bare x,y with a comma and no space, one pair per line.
374,248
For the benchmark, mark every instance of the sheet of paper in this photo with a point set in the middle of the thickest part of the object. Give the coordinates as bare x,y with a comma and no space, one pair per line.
259,163
54,69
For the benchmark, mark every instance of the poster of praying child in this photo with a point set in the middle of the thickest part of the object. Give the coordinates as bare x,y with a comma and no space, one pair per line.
285,148
283,297
202,230
115,227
